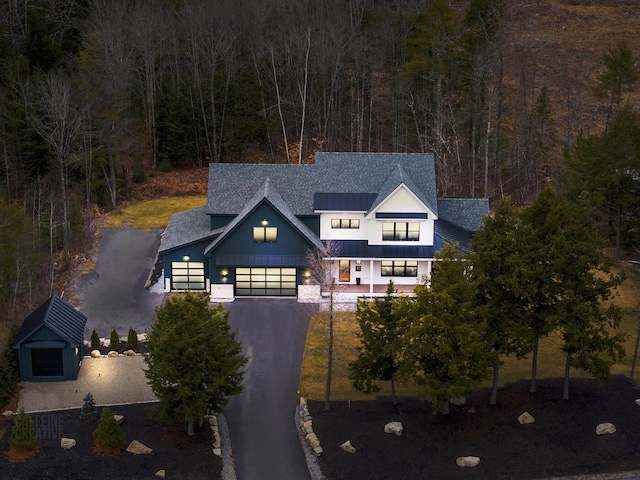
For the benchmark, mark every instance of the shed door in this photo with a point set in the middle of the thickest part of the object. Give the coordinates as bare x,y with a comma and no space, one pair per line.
266,281
47,362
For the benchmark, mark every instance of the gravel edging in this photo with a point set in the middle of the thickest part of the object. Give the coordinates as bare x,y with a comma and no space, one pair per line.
312,459
228,463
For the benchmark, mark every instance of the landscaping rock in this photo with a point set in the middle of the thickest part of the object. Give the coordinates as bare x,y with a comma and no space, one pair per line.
318,450
313,440
138,448
129,353
303,401
142,337
347,447
119,419
393,427
638,401
67,443
96,353
467,461
113,353
526,418
217,452
605,429
458,402
7,413
161,473
213,421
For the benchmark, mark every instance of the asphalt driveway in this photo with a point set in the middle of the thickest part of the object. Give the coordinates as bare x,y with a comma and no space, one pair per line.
264,436
114,294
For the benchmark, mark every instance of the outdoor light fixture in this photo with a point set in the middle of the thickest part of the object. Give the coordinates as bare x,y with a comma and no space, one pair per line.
186,258
264,222
307,273
224,272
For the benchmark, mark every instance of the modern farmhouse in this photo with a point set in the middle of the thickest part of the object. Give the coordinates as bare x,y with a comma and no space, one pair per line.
380,210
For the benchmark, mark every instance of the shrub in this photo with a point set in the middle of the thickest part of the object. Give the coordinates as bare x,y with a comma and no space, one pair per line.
9,375
108,435
115,340
89,412
23,435
95,341
132,339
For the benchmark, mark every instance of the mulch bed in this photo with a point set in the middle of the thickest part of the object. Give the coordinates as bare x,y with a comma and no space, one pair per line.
561,441
182,457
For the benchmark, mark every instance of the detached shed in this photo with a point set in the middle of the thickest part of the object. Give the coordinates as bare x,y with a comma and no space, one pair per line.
50,342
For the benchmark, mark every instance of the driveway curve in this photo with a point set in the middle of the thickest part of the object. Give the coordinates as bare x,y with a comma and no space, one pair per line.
113,295
264,436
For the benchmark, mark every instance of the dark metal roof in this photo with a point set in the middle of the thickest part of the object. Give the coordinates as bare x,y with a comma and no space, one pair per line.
360,249
260,260
349,202
57,315
453,234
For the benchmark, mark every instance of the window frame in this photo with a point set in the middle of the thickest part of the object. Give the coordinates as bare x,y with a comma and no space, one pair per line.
345,223
399,268
265,234
401,231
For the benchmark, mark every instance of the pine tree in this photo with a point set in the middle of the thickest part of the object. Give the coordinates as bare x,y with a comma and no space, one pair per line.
95,340
23,435
194,360
114,341
88,411
109,435
132,339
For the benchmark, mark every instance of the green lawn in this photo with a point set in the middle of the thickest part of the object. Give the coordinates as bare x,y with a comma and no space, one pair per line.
150,214
551,360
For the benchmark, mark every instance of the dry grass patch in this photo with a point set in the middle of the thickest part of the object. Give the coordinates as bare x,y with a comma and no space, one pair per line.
149,214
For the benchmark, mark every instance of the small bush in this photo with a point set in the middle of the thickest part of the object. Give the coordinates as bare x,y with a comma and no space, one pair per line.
132,339
115,341
108,435
95,341
89,412
23,435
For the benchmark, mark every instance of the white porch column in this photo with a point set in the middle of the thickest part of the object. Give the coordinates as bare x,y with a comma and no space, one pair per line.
370,276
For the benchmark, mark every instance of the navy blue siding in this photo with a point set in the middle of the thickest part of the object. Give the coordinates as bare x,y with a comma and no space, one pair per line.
70,360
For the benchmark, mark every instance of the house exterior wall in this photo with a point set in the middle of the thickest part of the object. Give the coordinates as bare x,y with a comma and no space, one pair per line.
71,359
371,272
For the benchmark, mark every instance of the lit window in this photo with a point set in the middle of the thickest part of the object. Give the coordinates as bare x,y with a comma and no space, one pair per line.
399,268
187,275
401,231
265,234
345,223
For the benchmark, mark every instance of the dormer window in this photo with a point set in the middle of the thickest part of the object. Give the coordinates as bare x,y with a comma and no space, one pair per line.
401,231
265,234
345,223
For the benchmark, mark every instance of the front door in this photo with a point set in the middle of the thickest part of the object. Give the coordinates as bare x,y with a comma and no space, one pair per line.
345,271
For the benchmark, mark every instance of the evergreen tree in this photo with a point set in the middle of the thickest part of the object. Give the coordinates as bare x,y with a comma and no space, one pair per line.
114,341
109,435
380,332
194,361
445,353
88,411
23,435
95,340
132,339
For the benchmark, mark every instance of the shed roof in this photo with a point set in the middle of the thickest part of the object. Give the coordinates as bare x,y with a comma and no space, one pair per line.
59,316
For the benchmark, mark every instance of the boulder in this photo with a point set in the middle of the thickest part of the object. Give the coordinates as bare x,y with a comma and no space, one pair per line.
638,401
467,461
67,443
347,447
525,418
161,473
393,427
129,353
105,342
313,440
318,450
142,337
138,448
213,421
119,419
96,353
458,402
605,429
217,452
113,353
217,443
7,413
308,426
303,401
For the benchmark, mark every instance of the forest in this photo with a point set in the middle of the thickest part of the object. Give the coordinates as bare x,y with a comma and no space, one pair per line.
97,95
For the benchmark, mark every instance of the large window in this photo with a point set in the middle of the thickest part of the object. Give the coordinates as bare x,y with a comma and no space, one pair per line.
402,231
260,281
265,234
345,223
187,275
399,268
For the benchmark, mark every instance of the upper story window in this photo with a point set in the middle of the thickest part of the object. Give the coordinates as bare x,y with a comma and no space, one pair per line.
345,223
402,231
265,234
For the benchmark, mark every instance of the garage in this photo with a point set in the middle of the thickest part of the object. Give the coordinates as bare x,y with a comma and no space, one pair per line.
265,281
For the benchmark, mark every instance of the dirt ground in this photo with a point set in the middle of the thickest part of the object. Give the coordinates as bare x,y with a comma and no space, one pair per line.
561,442
182,457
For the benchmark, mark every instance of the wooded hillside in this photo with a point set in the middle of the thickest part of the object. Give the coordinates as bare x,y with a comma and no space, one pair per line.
96,95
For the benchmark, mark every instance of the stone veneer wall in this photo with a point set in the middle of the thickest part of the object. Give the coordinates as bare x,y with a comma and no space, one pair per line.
221,292
309,294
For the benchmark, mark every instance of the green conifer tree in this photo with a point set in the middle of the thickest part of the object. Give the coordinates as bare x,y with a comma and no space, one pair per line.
23,435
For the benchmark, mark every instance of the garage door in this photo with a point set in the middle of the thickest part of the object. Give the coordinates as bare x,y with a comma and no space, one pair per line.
262,281
47,362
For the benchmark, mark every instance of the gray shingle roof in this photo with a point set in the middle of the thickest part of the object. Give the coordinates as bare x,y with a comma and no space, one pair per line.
230,185
397,177
463,212
187,227
57,315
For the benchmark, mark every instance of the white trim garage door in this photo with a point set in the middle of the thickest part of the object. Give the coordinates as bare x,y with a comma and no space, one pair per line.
265,281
